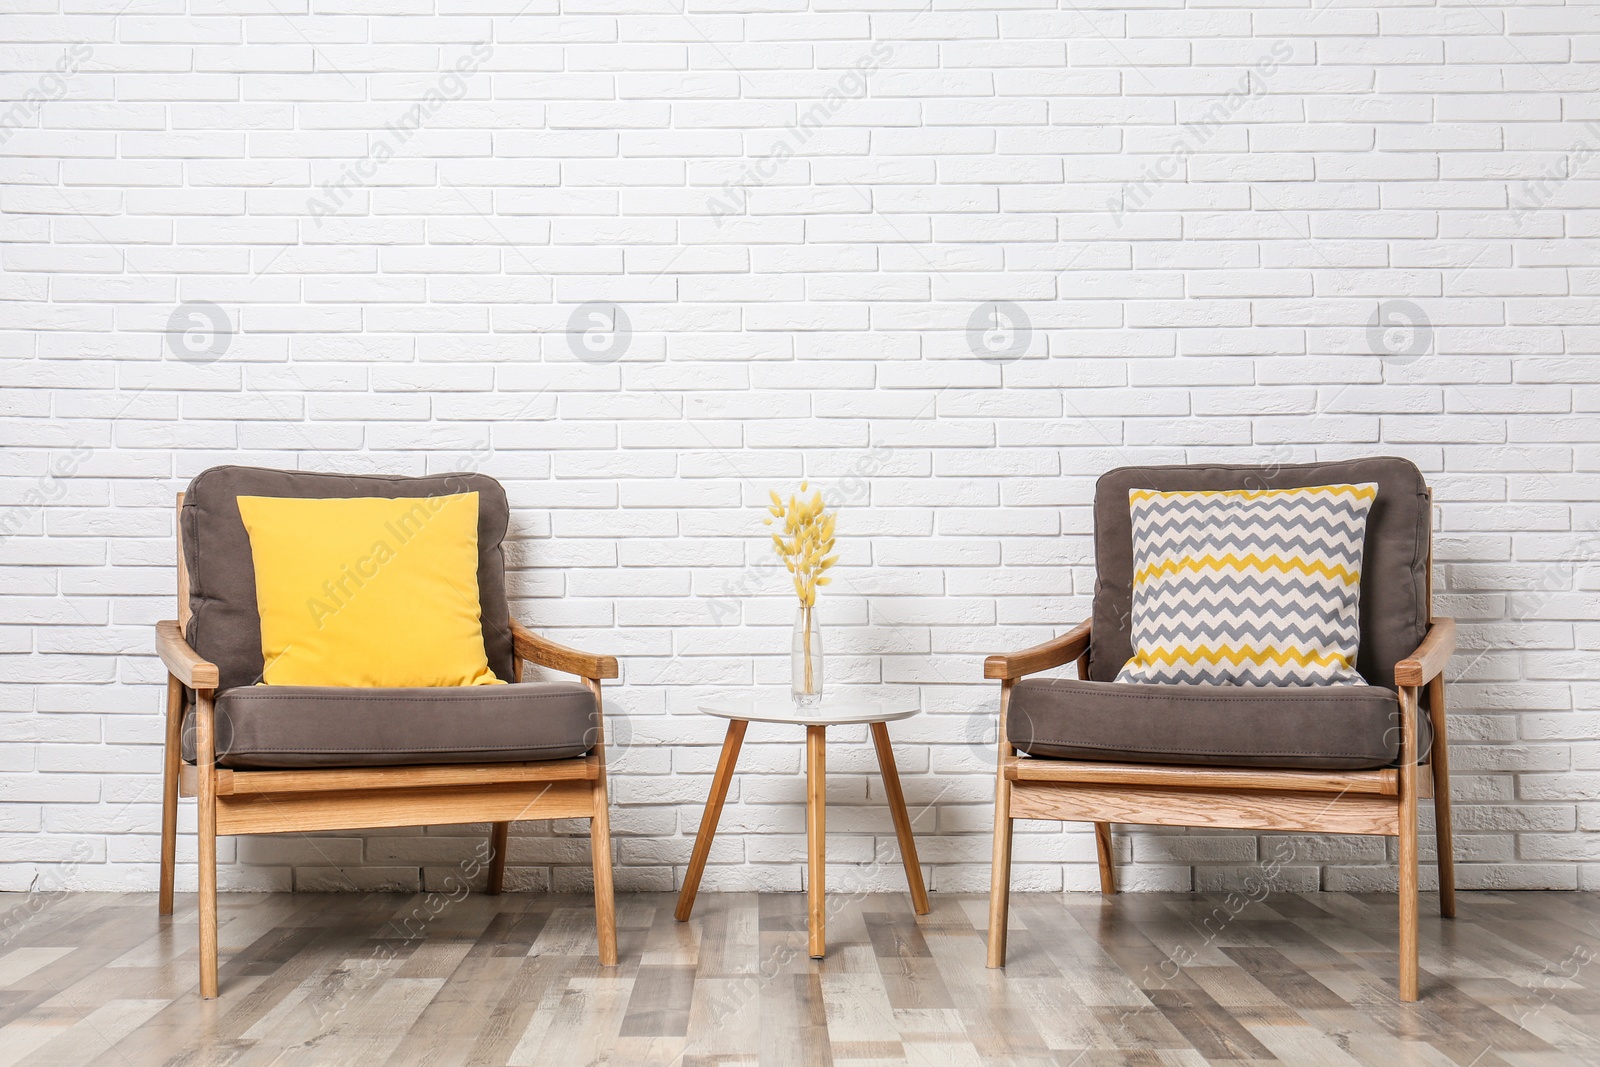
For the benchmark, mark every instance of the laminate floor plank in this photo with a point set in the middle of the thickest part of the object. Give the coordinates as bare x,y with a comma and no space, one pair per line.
447,1029
543,987
861,1023
1154,980
586,1026
728,943
724,1021
659,1004
794,1031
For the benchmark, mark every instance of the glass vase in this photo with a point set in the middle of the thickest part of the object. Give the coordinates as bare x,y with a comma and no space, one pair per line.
805,659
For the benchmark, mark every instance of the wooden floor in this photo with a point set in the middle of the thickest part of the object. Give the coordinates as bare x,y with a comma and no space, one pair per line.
383,978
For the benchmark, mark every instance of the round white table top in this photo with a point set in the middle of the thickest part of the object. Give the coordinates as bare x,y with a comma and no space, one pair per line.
842,709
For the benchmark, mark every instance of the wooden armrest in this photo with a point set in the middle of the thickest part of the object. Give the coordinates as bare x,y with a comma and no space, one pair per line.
1053,653
1427,662
547,653
184,662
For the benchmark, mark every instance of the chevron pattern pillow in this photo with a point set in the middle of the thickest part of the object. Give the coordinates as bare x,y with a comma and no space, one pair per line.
1247,587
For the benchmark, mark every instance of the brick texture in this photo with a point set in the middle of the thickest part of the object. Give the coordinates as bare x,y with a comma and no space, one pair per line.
394,236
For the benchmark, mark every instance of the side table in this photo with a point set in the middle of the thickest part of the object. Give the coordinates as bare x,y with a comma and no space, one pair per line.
845,710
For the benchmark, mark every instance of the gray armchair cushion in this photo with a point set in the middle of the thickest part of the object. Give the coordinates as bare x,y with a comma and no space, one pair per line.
288,726
1342,727
1394,604
226,625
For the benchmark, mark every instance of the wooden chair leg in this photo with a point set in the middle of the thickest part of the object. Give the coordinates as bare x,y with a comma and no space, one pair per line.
1000,875
499,838
1408,909
1000,865
1102,848
171,755
1408,847
1442,829
605,897
206,767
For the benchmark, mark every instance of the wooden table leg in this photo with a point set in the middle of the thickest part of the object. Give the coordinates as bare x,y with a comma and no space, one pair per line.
902,819
816,849
708,822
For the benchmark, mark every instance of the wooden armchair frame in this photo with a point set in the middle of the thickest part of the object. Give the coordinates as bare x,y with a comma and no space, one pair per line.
290,801
1378,802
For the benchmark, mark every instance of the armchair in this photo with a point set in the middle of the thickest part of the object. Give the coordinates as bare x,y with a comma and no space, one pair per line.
1333,759
280,759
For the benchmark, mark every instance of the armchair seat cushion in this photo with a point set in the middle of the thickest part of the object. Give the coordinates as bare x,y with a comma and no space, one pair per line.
1347,727
285,726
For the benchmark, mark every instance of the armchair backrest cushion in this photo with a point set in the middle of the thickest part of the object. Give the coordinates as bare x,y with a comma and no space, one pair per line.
225,623
1394,591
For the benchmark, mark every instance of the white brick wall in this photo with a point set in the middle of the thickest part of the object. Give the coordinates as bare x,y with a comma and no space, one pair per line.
395,210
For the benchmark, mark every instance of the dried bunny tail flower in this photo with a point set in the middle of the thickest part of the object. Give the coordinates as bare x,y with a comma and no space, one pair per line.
806,542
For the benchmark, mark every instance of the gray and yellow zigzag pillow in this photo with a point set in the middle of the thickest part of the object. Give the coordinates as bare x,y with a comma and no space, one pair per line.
1245,587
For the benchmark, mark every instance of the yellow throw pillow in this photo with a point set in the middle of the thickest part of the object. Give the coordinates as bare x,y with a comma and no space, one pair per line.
368,591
